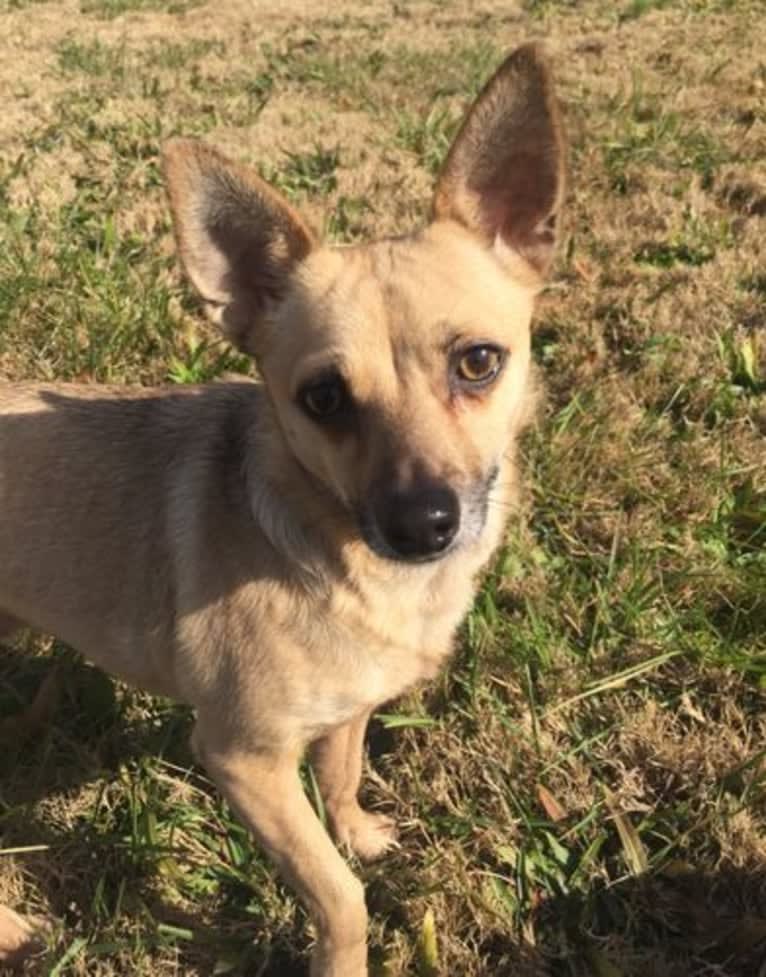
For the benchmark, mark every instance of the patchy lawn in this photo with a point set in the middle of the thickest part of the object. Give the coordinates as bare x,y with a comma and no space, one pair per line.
583,792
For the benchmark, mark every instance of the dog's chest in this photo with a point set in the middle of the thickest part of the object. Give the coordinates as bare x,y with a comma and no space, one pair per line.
377,642
296,663
414,625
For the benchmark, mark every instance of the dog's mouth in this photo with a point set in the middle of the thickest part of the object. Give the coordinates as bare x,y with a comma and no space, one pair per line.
425,523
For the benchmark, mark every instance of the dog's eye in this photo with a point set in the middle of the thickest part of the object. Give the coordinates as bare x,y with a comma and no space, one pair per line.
479,364
325,398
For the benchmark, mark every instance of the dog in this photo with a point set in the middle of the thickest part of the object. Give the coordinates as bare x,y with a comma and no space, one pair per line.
287,555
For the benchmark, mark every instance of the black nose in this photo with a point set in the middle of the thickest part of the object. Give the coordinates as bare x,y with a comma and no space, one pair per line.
420,523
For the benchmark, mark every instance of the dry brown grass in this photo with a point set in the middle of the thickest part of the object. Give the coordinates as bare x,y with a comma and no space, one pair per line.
583,793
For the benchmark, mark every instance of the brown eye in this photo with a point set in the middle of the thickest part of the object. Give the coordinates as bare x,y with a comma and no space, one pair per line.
479,364
325,398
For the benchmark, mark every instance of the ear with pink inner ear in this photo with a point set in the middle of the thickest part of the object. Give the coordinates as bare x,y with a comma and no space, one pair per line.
504,176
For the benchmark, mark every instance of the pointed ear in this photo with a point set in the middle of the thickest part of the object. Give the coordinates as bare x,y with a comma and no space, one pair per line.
504,175
239,240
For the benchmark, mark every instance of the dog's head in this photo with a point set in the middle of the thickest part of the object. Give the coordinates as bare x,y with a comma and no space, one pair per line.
398,370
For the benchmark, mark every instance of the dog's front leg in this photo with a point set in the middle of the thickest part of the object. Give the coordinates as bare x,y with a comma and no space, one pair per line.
337,763
266,792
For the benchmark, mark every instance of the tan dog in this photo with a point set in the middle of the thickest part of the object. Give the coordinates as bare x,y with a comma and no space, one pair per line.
286,556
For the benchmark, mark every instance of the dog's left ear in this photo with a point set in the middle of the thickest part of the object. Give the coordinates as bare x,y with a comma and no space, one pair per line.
503,178
238,238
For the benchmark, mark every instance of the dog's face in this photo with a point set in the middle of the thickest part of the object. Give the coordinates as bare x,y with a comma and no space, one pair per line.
398,370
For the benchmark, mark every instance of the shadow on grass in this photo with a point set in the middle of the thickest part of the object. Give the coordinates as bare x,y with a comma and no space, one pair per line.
64,723
685,923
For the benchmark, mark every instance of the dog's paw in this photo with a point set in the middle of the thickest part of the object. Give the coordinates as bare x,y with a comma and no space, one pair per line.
367,835
19,937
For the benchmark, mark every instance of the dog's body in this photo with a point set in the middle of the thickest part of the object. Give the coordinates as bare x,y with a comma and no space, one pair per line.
315,628
286,556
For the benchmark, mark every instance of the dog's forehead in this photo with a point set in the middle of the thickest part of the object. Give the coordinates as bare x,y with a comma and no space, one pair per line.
411,288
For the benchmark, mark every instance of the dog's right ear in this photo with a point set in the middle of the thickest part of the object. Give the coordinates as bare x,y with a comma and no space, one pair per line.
238,238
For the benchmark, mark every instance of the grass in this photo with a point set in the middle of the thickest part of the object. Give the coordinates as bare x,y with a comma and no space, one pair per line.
114,8
583,792
305,174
